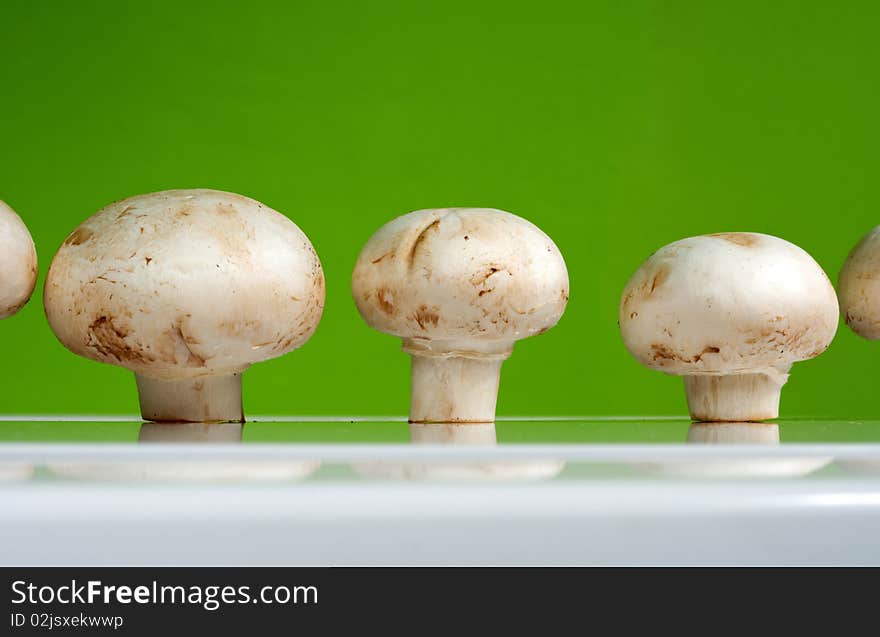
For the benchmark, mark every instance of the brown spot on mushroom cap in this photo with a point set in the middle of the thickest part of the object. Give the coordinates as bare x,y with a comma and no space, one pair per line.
424,316
659,278
420,239
124,212
781,339
109,340
193,359
384,256
79,236
385,301
708,350
481,277
660,352
663,352
739,238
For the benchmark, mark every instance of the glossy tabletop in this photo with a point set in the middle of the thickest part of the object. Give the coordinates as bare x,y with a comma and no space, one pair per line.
381,491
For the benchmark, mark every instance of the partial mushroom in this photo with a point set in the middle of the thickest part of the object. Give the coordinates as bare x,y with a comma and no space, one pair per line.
731,313
187,289
459,286
859,287
18,262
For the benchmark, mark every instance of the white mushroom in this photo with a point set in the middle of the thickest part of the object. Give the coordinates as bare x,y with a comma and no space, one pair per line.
18,262
187,289
731,313
859,287
459,286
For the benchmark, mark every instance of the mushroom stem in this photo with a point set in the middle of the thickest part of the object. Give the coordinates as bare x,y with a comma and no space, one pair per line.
735,397
453,385
204,399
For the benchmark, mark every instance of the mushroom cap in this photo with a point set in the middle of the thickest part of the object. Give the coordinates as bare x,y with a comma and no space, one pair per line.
728,303
859,287
476,274
185,283
18,262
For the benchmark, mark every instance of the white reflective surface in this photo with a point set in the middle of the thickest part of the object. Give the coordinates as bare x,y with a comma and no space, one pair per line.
324,492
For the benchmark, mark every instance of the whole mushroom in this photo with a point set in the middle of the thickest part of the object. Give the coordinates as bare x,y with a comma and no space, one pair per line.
187,289
859,287
459,286
730,312
18,262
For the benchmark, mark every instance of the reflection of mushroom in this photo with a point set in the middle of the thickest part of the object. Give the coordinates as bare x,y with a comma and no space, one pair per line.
188,470
15,471
459,285
447,433
18,262
731,313
460,434
220,432
859,466
733,433
737,433
859,287
186,288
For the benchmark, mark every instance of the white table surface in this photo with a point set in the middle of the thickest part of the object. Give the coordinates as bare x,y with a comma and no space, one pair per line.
399,504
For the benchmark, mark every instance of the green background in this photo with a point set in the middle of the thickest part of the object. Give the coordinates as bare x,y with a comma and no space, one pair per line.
617,127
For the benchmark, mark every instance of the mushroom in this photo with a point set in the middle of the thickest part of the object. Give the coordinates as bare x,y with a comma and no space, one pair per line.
731,313
18,262
187,289
859,287
459,286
